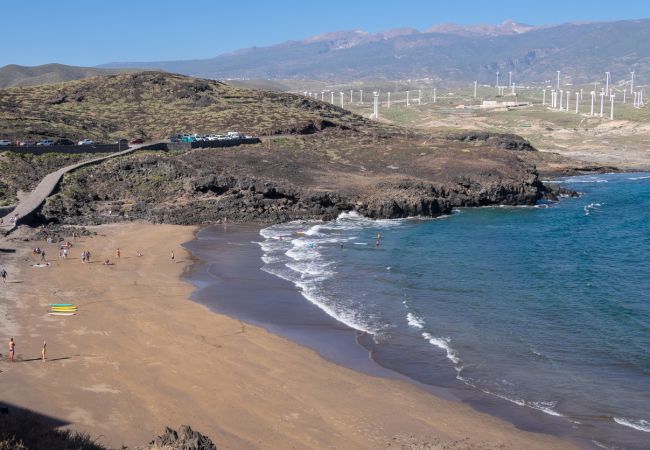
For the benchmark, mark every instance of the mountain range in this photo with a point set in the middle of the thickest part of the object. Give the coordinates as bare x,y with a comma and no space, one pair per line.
447,52
15,75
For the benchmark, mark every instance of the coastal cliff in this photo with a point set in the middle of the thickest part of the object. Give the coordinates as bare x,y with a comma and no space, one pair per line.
315,160
254,185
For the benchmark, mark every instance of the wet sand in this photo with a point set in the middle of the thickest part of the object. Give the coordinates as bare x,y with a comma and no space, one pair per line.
140,355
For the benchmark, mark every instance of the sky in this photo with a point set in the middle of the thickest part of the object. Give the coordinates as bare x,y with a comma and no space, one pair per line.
92,32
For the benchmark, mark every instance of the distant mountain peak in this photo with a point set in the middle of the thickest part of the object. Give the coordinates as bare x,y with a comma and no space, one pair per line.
507,27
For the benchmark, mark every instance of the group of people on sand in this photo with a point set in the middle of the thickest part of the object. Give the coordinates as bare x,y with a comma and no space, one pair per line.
85,256
11,357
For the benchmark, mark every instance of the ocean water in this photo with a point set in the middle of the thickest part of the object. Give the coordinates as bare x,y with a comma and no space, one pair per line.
546,308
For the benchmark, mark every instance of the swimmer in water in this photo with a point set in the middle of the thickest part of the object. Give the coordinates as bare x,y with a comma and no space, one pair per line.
378,241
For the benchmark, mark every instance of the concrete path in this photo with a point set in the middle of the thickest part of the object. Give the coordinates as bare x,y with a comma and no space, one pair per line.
31,202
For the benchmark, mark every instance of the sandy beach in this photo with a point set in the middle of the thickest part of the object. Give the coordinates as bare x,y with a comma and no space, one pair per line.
140,355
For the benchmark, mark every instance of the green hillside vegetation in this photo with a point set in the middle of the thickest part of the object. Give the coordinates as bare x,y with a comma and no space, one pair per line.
154,105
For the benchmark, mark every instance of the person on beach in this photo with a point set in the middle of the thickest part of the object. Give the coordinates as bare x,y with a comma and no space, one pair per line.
44,351
87,256
3,275
42,255
12,350
117,253
173,258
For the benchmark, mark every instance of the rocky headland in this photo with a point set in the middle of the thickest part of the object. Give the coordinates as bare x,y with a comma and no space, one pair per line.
315,160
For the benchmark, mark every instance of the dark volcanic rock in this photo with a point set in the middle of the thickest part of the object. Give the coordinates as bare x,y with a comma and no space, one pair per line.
257,185
504,141
184,439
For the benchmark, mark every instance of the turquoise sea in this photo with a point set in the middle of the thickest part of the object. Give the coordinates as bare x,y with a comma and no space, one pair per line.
546,308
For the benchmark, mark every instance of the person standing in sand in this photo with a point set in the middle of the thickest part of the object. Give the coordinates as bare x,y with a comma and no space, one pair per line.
173,258
12,350
117,253
44,351
3,275
42,255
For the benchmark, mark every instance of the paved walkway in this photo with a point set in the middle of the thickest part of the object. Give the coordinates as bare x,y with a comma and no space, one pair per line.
32,201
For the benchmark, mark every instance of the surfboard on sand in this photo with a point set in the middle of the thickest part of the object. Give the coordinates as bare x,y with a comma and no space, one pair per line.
62,313
61,304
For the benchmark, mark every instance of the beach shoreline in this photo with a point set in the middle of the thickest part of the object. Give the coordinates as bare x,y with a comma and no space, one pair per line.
139,356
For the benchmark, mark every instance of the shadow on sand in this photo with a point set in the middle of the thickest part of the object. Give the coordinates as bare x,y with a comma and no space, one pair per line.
22,428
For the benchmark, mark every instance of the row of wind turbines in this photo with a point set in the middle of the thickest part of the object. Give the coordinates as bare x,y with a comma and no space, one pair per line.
558,96
560,99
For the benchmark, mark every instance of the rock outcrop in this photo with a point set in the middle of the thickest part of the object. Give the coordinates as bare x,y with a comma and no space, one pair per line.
204,186
183,439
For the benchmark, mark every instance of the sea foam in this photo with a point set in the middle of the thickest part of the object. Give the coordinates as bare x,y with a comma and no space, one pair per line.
640,424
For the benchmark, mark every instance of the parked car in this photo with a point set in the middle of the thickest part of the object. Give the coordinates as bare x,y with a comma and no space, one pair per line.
4,143
26,143
86,142
136,141
63,141
175,138
45,143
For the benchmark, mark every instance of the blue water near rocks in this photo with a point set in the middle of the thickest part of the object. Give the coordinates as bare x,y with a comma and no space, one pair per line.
545,307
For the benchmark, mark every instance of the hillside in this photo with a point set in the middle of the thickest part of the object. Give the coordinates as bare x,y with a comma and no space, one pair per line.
445,52
14,75
324,160
154,105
